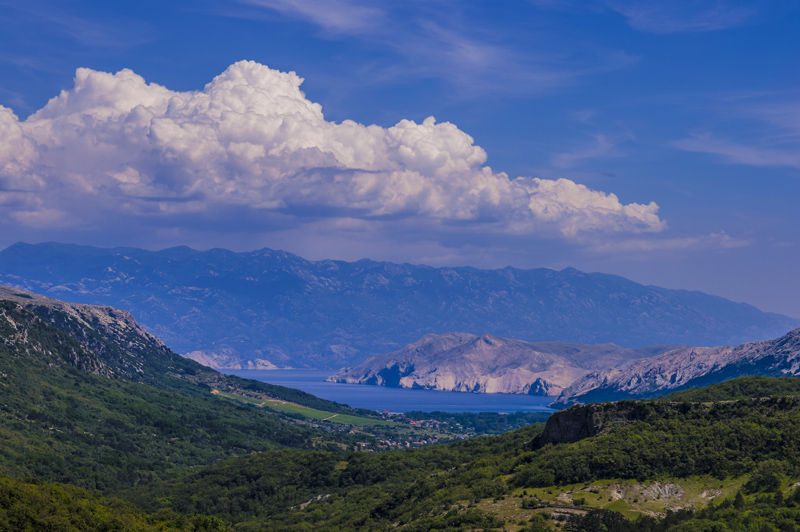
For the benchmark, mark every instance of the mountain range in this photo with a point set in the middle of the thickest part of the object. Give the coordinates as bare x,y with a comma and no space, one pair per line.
689,367
490,364
266,308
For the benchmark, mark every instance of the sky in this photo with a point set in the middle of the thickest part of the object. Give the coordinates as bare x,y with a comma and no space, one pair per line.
659,141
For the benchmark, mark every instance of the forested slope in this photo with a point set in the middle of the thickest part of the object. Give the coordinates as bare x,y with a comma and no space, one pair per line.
60,422
38,506
738,388
113,339
750,444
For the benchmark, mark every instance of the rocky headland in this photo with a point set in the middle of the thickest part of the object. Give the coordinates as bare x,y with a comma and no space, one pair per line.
489,364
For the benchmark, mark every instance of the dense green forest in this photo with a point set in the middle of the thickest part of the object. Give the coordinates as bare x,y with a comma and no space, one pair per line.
31,504
353,489
652,438
739,388
753,439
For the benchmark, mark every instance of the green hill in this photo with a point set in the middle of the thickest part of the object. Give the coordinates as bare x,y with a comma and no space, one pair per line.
40,506
643,459
649,466
113,341
67,416
739,388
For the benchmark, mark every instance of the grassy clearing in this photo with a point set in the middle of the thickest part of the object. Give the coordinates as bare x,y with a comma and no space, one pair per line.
310,413
629,497
516,517
320,415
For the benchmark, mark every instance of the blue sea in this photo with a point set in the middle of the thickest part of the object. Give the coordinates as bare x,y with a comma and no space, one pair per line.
381,398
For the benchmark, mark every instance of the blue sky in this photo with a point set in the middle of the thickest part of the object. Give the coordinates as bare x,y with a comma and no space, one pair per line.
655,140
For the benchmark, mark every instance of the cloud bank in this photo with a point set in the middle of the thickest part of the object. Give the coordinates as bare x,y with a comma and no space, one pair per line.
114,146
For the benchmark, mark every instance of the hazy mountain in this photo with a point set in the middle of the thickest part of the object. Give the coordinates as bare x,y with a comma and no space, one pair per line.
271,307
687,368
489,364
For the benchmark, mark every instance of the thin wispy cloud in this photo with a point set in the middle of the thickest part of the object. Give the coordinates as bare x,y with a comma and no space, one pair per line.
720,240
89,32
336,16
656,16
771,138
600,147
740,153
434,40
784,116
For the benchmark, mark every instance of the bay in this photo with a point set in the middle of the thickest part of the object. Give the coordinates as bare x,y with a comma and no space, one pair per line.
381,398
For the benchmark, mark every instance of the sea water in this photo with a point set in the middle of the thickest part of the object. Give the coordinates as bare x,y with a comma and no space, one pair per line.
381,398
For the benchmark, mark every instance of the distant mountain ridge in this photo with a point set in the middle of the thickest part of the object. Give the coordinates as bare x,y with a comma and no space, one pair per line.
268,307
489,364
687,368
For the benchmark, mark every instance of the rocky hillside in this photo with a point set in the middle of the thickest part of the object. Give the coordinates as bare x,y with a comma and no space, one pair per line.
687,368
98,339
87,397
585,421
106,341
489,364
273,308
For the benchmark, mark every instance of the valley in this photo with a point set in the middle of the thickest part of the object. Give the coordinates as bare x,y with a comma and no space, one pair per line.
91,401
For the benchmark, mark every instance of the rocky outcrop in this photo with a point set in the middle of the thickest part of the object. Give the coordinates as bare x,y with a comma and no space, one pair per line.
571,425
119,345
111,341
585,421
228,360
488,364
687,368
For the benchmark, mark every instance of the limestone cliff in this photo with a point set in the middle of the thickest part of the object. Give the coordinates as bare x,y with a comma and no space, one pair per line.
488,364
225,359
687,368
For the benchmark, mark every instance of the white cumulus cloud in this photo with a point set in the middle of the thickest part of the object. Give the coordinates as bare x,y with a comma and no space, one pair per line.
251,141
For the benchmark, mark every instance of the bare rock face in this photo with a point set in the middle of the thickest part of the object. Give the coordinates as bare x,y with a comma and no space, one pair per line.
571,425
488,364
687,368
228,360
584,421
108,341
